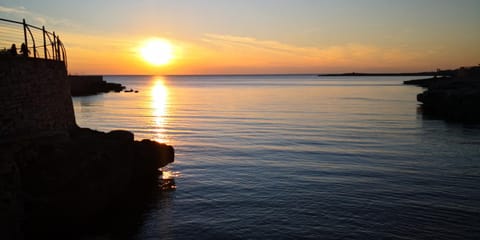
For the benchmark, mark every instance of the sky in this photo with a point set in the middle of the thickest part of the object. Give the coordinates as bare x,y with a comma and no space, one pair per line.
260,36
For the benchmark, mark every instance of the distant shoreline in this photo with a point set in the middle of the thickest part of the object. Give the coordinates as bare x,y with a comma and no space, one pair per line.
355,74
351,74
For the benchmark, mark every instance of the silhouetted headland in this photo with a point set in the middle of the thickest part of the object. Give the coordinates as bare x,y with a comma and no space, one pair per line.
57,180
85,85
451,94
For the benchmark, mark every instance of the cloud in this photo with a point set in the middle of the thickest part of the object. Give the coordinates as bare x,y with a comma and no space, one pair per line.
272,46
247,50
9,10
252,43
41,20
36,19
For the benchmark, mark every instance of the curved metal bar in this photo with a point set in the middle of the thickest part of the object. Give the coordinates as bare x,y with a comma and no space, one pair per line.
33,40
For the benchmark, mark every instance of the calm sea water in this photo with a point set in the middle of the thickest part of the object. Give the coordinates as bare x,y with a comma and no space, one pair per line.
298,157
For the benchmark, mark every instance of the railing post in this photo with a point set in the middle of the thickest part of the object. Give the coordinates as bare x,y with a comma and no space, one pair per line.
54,47
44,43
58,49
25,33
33,44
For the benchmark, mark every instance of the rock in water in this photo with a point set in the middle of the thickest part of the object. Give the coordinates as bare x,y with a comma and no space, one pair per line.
453,98
71,181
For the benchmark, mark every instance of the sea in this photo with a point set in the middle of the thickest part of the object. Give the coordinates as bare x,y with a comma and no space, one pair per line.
296,157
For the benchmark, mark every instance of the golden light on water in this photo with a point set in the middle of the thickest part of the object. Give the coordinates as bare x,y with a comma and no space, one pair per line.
157,51
159,100
159,96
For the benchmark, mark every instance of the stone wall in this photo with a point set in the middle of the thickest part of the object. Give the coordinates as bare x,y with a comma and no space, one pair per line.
34,97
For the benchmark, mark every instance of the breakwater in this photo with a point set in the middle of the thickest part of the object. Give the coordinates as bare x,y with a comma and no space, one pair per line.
84,85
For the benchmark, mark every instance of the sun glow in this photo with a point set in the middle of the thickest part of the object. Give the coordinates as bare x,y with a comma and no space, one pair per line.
157,51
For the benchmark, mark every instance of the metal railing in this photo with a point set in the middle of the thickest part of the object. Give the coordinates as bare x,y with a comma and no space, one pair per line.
28,36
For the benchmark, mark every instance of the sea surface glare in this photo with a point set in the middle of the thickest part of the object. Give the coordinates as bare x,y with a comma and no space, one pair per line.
297,157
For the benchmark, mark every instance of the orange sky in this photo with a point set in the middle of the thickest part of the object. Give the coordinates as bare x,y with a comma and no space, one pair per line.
226,37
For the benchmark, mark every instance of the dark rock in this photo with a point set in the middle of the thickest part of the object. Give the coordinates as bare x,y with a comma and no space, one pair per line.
121,135
153,156
130,90
91,85
68,182
454,98
425,83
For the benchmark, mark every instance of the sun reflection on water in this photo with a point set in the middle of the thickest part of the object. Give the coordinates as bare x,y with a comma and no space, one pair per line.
167,180
159,101
159,106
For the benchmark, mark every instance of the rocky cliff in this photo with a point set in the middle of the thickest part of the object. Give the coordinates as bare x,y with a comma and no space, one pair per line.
57,179
454,97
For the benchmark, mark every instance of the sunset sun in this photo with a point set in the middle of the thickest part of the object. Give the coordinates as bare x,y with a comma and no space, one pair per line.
157,52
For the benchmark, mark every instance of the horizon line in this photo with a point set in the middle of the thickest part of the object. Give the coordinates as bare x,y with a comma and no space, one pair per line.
420,73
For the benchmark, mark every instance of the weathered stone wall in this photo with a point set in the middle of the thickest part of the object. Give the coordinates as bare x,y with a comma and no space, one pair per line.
34,97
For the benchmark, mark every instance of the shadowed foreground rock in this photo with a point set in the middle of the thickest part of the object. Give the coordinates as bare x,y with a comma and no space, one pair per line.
60,184
454,98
